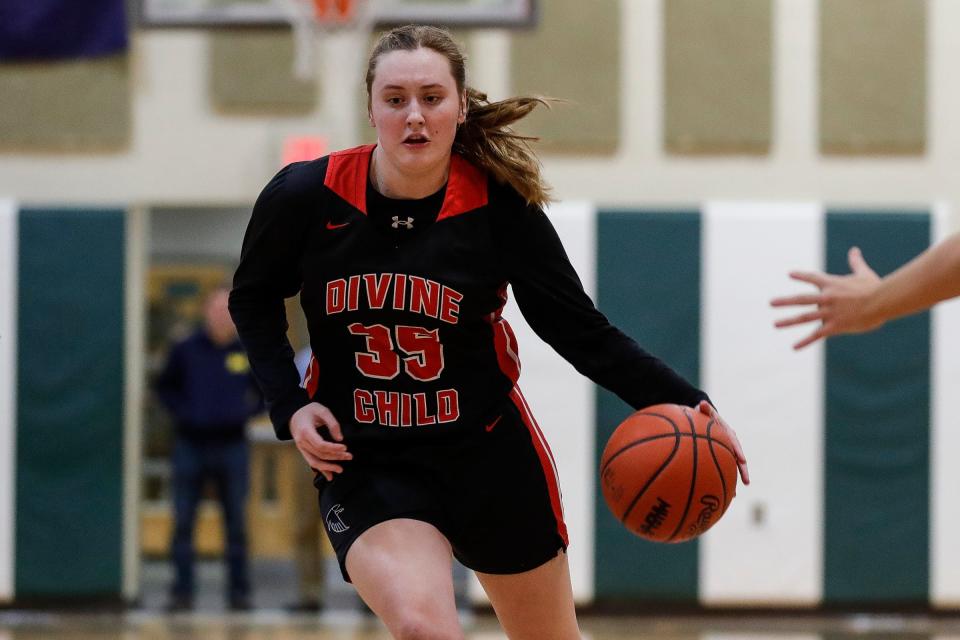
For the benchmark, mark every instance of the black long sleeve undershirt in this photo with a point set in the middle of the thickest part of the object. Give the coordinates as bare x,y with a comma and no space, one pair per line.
552,300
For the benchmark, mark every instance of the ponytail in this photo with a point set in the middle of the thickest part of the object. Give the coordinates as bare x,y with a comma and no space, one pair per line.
487,140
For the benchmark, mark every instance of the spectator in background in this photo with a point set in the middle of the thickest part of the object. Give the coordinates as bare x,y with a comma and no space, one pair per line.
207,387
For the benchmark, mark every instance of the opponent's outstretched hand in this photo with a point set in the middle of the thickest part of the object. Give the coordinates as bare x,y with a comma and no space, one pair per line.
841,303
708,409
319,452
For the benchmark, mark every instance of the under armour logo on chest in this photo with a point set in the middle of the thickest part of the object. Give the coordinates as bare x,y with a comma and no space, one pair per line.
397,222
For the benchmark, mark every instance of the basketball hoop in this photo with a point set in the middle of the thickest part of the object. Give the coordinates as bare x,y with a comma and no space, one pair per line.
333,11
310,19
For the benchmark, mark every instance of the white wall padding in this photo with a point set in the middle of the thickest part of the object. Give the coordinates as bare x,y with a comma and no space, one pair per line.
562,401
944,442
8,387
768,547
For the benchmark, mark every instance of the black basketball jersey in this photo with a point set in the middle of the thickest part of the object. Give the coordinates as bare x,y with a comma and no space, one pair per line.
403,301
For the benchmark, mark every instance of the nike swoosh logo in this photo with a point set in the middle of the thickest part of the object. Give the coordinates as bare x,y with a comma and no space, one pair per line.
330,225
490,426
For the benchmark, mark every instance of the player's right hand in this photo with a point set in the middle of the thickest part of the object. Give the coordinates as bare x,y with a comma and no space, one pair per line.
319,453
710,411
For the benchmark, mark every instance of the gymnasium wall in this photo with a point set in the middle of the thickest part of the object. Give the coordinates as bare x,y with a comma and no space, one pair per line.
849,444
667,107
696,139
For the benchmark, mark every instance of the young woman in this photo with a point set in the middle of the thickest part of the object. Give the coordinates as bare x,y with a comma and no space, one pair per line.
862,301
423,445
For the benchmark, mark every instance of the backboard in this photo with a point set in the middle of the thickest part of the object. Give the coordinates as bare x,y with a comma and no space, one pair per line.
386,13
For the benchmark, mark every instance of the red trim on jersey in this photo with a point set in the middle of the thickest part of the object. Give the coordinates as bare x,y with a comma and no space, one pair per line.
347,175
466,189
546,460
311,377
348,171
504,341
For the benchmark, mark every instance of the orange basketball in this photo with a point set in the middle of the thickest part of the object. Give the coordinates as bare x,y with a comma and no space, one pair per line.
668,473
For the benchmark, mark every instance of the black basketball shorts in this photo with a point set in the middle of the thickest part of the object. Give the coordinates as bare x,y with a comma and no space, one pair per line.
492,491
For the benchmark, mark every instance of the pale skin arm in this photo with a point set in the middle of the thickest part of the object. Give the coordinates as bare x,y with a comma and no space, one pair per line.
862,301
321,454
708,409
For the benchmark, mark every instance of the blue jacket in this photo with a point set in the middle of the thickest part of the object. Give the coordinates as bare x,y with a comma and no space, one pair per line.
208,389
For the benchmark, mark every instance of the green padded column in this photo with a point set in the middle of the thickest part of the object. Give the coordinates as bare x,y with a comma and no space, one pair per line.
70,383
648,284
877,444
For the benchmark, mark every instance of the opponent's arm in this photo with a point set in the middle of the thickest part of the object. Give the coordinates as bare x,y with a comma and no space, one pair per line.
862,301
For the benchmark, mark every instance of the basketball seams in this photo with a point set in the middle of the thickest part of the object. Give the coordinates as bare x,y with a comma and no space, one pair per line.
664,465
716,463
719,443
693,477
635,443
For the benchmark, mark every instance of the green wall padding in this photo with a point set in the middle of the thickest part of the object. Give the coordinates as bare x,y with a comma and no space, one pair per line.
873,78
876,497
717,76
75,106
572,54
70,389
648,285
251,72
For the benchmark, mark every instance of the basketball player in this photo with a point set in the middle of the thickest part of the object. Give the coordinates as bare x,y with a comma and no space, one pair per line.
423,445
862,301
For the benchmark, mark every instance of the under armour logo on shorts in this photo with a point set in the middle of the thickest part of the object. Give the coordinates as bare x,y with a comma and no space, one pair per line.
334,522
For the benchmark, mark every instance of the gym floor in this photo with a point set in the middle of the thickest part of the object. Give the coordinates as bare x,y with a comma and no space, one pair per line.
272,625
344,618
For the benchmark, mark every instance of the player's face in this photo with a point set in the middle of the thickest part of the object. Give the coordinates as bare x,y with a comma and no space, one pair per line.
415,106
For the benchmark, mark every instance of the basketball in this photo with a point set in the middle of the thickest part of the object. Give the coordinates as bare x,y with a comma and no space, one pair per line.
668,473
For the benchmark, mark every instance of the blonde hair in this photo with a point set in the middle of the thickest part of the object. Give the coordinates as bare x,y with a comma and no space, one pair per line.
485,137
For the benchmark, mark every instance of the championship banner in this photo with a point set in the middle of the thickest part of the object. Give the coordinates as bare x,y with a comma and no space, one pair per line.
61,29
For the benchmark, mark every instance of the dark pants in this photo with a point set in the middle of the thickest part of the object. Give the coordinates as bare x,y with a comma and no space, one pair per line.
227,464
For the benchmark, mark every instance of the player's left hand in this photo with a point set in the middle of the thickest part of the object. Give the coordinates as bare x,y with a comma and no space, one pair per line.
708,409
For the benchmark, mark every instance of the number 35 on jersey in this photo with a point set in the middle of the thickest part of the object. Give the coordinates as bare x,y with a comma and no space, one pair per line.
416,352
